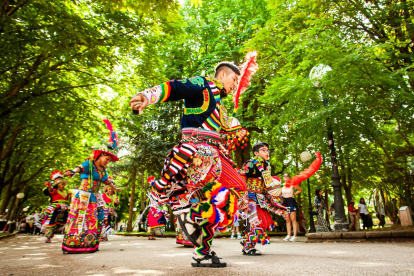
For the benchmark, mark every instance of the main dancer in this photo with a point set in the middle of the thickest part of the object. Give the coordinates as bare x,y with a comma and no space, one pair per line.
258,202
198,178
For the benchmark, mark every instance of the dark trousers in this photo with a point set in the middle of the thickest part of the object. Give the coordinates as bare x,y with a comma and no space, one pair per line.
364,218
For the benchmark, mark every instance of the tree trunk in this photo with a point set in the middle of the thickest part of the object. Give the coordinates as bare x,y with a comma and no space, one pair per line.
6,198
143,193
10,207
348,191
172,225
132,199
12,226
328,206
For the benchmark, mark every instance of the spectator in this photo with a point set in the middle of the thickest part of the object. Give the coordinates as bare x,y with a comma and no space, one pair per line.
289,201
352,215
37,223
30,223
302,221
22,226
319,204
363,212
236,225
3,221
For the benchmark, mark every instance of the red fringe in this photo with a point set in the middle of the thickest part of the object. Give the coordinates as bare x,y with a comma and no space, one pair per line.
249,67
313,168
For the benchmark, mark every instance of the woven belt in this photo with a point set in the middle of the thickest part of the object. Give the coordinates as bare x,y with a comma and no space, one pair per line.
199,133
255,185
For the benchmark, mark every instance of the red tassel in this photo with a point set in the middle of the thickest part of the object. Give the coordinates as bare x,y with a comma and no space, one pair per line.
248,69
313,168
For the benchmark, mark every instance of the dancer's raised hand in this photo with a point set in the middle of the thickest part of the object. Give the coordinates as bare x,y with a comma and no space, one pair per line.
138,103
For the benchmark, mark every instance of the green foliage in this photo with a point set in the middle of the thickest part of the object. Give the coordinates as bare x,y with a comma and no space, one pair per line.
65,66
369,91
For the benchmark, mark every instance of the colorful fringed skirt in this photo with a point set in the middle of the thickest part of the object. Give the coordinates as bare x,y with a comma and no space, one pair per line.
157,230
84,223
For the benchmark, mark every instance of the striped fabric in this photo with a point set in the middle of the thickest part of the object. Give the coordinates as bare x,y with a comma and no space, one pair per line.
213,122
199,133
178,158
230,178
166,89
266,221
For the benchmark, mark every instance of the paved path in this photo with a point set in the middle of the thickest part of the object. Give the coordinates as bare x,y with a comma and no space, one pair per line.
28,255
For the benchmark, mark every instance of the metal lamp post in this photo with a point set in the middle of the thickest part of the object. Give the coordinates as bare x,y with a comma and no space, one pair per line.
341,223
305,156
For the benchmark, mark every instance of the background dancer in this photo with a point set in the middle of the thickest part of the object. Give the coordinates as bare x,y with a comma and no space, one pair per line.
111,199
157,218
56,214
258,201
198,177
85,219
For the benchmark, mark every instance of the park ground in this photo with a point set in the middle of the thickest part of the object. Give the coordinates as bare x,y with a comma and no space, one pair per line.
29,255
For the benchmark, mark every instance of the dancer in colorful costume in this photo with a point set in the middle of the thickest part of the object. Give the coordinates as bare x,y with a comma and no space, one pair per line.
83,230
181,237
56,213
198,178
156,221
258,202
111,199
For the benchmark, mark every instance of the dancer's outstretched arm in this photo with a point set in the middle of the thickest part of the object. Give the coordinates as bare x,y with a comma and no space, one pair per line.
173,90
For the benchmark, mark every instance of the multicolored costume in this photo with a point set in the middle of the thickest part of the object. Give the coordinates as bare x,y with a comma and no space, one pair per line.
86,209
181,237
156,222
198,178
111,203
261,199
56,213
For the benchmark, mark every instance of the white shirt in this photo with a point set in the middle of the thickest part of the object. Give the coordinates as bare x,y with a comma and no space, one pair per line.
287,192
362,208
36,217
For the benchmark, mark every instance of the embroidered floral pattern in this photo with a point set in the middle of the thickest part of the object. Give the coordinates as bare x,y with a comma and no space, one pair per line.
196,80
